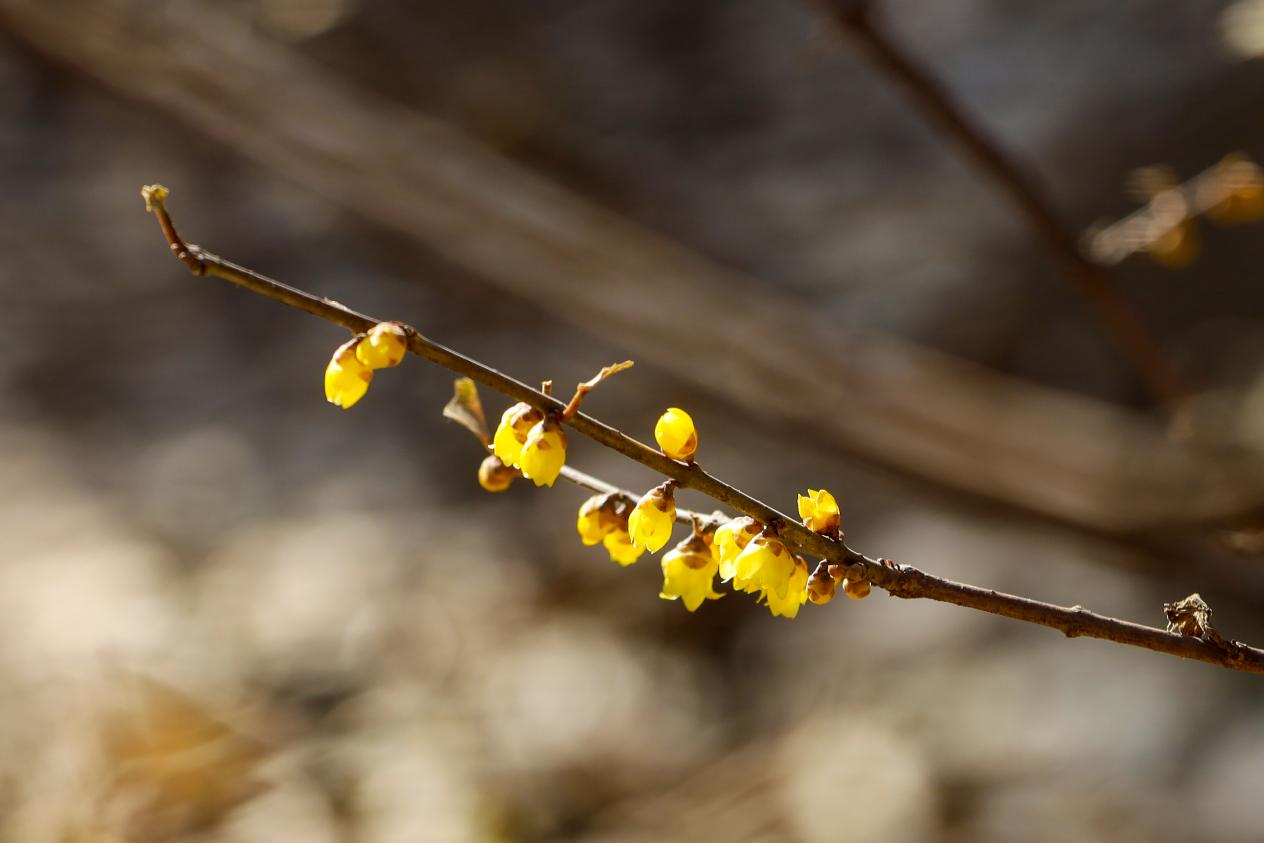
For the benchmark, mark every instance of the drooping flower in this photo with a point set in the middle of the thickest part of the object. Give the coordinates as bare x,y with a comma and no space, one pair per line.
765,565
688,572
819,511
796,593
621,548
383,346
651,522
346,378
511,433
544,452
730,540
601,515
676,434
494,475
821,586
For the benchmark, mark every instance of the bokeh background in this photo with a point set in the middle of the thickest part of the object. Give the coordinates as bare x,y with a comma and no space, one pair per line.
229,611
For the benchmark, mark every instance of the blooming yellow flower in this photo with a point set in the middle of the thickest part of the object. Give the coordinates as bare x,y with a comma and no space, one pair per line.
796,593
599,516
819,511
383,346
346,378
544,452
651,522
688,571
676,434
511,433
765,565
730,540
494,475
621,548
821,586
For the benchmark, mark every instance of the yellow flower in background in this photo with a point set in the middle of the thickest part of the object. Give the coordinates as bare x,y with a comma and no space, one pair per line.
1176,247
796,594
544,452
819,511
1242,182
676,434
765,565
511,433
652,520
494,475
730,540
688,572
346,378
621,548
383,346
598,518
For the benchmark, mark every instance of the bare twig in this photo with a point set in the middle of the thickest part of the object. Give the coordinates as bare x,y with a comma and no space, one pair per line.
899,580
936,104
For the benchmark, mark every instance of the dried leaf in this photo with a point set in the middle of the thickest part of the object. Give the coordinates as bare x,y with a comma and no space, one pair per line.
466,409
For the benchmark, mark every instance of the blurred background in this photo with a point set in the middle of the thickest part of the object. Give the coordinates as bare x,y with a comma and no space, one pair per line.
230,611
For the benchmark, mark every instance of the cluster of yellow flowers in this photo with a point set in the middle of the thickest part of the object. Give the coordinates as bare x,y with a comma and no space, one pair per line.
350,371
1239,182
741,551
531,443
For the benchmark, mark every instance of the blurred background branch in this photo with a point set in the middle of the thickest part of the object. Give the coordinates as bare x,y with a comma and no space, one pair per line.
1117,316
1065,459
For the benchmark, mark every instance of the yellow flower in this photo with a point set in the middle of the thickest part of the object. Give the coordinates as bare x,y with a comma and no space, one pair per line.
856,589
819,511
384,346
650,525
599,516
544,452
621,548
494,475
688,571
1243,184
676,434
765,565
346,378
796,593
821,586
1176,247
730,540
511,433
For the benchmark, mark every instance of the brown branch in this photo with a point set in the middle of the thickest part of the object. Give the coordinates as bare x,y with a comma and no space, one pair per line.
937,106
899,580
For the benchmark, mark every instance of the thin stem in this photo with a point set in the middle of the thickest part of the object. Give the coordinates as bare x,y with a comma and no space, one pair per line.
937,106
899,580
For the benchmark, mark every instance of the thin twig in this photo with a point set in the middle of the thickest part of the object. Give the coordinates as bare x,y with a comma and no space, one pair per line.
898,580
937,106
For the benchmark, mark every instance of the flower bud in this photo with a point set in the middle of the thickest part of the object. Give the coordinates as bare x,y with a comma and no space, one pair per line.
383,346
821,586
856,589
346,378
599,516
494,475
676,435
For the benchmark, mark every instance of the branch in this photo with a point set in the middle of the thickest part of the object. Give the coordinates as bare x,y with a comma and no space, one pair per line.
899,580
1172,207
936,104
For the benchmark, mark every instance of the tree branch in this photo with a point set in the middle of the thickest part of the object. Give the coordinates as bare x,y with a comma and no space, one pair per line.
936,104
899,580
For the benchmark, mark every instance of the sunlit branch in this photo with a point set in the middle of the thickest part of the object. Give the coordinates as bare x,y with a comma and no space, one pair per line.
898,580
